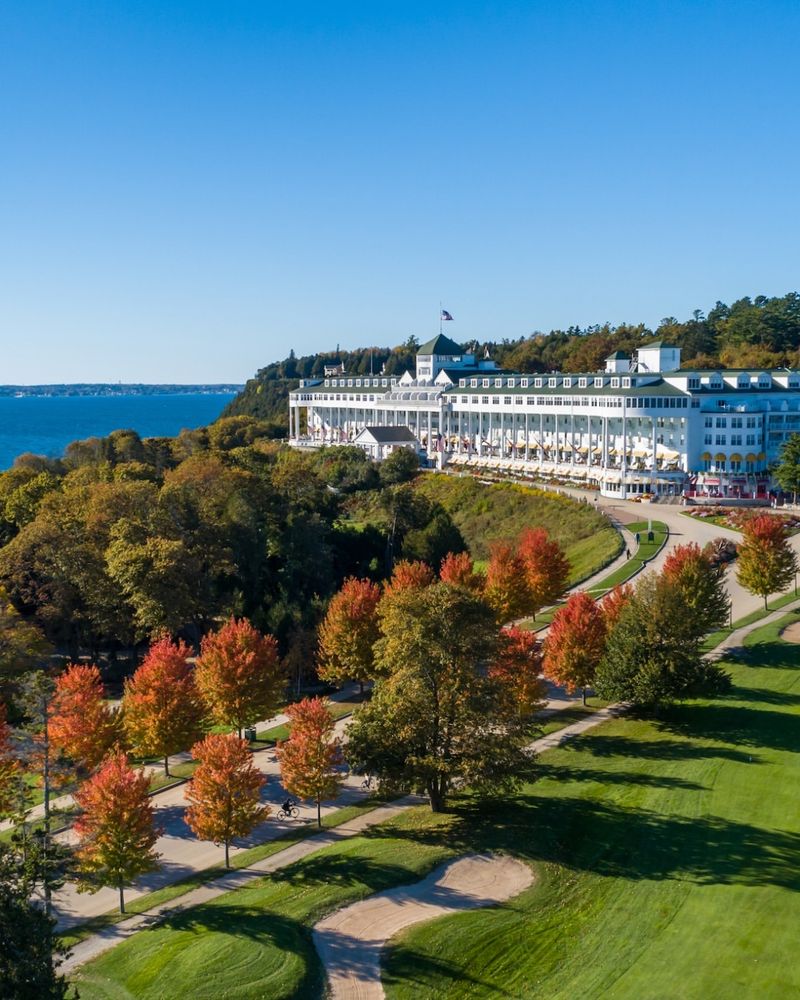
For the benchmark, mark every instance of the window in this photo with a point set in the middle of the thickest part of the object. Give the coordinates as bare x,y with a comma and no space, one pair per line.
736,466
626,383
722,421
736,421
552,382
506,401
465,399
486,383
524,383
529,400
736,438
694,382
583,382
538,383
615,383
751,439
484,400
751,422
498,383
709,422
567,383
708,439
720,439
598,383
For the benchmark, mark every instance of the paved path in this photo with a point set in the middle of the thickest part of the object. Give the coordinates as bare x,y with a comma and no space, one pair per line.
64,802
349,941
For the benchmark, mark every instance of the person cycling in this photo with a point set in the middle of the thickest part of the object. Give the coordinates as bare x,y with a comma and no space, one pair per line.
287,805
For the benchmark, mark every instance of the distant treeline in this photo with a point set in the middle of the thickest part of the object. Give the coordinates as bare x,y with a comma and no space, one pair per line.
752,333
115,389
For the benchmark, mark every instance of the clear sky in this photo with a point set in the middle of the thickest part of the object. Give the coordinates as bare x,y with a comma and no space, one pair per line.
188,189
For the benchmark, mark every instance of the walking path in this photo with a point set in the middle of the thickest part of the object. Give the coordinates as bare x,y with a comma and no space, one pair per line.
349,941
65,802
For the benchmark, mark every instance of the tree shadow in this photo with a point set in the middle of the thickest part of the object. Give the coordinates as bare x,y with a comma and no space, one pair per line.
636,844
769,655
750,727
558,772
602,745
765,696
402,965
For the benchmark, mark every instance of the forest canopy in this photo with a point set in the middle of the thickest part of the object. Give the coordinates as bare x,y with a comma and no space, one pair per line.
763,332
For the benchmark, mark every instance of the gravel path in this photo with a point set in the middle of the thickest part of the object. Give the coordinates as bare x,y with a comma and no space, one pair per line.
349,941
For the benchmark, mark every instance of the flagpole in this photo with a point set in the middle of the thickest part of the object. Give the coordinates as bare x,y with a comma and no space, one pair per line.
440,317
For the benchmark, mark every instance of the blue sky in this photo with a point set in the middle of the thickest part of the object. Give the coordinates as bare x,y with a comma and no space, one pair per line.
189,189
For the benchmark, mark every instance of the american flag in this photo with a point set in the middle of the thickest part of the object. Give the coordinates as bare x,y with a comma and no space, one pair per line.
445,315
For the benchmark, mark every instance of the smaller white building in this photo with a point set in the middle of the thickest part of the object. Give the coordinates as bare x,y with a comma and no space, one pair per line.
380,442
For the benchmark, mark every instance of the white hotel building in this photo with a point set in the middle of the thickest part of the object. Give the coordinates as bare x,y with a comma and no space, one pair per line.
642,425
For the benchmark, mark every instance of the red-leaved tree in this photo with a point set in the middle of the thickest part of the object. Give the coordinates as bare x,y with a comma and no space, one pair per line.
225,791
507,591
312,756
82,726
575,643
239,674
518,664
162,709
9,766
458,570
546,567
767,563
348,633
116,829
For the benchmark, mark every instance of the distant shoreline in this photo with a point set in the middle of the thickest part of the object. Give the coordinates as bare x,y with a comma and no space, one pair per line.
118,389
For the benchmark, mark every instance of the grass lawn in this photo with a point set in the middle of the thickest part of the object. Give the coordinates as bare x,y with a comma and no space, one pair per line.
667,861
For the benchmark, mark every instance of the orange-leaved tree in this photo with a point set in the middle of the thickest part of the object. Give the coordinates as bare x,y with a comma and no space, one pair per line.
507,591
239,674
575,643
766,563
161,708
82,725
409,576
348,633
546,567
10,767
518,664
116,829
613,603
312,756
225,791
458,570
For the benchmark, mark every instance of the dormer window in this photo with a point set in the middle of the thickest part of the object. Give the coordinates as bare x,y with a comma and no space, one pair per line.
764,381
615,383
552,382
539,383
583,383
524,383
626,383
567,383
473,383
498,383
598,383
511,383
694,381
486,383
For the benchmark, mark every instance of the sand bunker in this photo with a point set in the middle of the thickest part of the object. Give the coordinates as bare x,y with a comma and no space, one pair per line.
792,632
349,942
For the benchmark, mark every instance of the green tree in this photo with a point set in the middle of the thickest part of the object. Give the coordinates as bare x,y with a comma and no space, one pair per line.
702,582
30,952
438,716
652,654
787,471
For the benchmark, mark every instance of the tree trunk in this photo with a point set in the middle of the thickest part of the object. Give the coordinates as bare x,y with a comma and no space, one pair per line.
583,690
166,765
436,797
121,898
227,854
765,603
319,814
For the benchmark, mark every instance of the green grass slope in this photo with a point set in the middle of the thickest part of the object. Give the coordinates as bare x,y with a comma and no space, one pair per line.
485,514
667,860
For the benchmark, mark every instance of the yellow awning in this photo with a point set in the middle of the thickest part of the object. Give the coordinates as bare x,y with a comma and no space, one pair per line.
720,456
736,457
750,457
706,457
761,456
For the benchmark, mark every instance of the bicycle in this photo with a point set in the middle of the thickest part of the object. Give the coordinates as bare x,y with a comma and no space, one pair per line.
368,783
288,812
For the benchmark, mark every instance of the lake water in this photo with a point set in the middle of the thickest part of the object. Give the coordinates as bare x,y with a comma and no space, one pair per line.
45,425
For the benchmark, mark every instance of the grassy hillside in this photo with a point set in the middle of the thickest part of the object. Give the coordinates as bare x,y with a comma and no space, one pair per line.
485,514
667,862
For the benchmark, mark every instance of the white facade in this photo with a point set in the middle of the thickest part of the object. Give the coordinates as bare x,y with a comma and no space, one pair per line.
624,431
